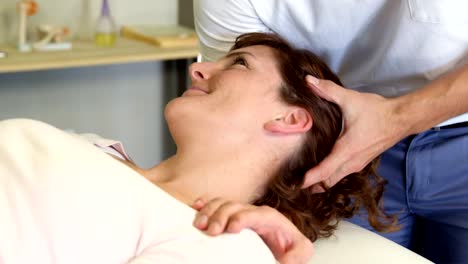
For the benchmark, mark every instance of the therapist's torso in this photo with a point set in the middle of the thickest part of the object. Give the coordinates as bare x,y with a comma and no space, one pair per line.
389,47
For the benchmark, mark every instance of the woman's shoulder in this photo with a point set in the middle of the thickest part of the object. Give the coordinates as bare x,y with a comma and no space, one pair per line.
245,247
193,246
169,234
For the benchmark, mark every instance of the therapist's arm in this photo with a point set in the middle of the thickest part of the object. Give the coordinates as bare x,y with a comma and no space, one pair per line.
373,124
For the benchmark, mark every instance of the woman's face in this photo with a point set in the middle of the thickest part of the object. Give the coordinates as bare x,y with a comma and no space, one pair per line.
233,96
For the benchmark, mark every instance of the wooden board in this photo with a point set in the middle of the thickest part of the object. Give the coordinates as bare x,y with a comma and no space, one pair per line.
161,36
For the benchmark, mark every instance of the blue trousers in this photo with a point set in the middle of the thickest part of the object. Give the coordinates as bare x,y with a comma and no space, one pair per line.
427,189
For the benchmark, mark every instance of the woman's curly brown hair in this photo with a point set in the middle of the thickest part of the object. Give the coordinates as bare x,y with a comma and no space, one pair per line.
316,214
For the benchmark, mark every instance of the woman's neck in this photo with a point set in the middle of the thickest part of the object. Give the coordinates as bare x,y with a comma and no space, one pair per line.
234,177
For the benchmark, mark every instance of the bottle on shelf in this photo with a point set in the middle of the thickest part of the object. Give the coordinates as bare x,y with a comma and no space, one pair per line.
106,29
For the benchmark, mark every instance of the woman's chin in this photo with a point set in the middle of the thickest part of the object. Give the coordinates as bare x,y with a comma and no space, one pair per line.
171,110
181,113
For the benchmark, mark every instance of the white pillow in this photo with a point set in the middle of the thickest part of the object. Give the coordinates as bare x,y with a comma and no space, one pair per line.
354,244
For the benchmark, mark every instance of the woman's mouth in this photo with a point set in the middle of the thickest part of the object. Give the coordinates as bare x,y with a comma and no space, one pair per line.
194,90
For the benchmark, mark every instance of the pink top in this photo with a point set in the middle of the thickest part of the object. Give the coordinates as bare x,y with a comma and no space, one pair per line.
62,200
110,146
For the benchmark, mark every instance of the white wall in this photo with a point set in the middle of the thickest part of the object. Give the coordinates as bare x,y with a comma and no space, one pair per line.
124,102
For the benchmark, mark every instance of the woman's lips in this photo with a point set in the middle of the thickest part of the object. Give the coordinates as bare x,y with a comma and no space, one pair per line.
195,90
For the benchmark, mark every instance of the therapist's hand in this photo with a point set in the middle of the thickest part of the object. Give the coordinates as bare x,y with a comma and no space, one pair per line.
287,243
371,126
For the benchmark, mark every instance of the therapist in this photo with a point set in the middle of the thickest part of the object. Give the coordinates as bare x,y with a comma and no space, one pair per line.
404,65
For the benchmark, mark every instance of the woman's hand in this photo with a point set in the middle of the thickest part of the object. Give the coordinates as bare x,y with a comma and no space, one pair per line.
371,126
288,244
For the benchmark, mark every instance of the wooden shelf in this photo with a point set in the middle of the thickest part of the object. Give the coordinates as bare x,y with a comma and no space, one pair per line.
86,53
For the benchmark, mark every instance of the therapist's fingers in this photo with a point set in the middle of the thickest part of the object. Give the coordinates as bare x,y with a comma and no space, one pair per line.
326,89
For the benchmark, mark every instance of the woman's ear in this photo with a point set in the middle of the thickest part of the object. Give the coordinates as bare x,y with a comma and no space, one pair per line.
295,120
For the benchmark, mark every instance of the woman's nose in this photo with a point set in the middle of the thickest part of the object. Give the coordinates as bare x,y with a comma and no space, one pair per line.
200,70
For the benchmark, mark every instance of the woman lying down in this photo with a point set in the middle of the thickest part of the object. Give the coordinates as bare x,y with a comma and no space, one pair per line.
247,131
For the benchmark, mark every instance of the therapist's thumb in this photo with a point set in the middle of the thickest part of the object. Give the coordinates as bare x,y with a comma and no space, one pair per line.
326,89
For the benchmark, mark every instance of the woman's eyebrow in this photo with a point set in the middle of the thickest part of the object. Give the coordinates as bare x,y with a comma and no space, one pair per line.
239,53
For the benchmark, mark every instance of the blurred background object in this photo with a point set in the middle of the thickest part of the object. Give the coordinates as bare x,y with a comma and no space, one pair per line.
161,36
51,38
80,16
106,29
25,8
120,101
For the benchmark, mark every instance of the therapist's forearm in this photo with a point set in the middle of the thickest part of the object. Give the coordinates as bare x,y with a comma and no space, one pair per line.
434,103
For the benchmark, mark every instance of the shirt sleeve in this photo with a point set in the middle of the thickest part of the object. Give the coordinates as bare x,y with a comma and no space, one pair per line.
219,22
246,248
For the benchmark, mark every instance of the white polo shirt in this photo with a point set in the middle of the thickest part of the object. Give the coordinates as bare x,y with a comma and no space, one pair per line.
389,47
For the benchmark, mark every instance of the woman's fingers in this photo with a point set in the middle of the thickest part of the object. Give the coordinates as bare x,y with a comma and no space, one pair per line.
203,215
285,241
300,252
253,217
218,215
248,216
199,204
222,217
